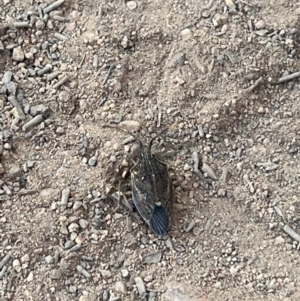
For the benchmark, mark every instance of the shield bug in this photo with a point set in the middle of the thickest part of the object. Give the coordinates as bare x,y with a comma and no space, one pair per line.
151,186
152,189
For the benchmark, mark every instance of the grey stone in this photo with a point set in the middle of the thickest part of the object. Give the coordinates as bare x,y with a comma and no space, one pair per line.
64,230
7,77
56,274
49,259
69,244
73,227
18,113
83,223
39,24
77,205
18,54
140,286
11,87
38,109
105,273
15,170
25,258
60,130
120,287
73,289
92,161
124,273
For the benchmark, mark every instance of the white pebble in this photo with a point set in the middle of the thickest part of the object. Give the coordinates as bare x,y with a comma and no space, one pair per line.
279,240
186,34
18,54
73,227
83,223
260,24
124,273
17,265
131,5
120,287
30,277
25,258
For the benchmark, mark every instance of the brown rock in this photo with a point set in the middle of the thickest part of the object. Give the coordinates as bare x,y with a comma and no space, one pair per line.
2,170
3,30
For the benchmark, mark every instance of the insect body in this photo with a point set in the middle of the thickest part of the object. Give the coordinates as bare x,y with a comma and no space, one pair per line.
152,190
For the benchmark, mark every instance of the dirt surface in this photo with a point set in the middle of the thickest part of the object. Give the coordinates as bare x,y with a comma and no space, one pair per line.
209,67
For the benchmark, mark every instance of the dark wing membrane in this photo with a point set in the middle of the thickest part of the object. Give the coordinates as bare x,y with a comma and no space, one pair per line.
152,191
142,195
159,222
163,183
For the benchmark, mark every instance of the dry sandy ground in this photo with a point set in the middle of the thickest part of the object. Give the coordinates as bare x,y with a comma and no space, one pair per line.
212,68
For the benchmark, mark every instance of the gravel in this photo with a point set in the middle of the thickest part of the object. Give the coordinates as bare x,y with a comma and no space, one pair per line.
222,76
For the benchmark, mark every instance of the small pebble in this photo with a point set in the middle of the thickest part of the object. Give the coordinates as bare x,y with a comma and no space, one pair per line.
30,277
64,230
140,286
18,54
15,171
7,146
7,77
186,34
60,130
56,274
105,295
17,265
83,271
73,289
131,5
73,227
260,24
69,244
73,236
152,296
120,287
83,223
77,205
124,273
186,167
39,24
7,190
148,278
105,273
65,196
25,258
92,161
49,259
38,109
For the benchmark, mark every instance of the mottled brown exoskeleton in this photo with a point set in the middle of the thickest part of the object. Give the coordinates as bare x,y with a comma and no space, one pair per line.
152,189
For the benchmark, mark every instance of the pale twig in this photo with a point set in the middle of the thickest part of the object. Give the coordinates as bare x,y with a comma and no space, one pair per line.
289,77
255,85
287,229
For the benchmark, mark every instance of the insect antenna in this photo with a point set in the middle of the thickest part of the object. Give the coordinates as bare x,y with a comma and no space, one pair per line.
151,141
161,133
